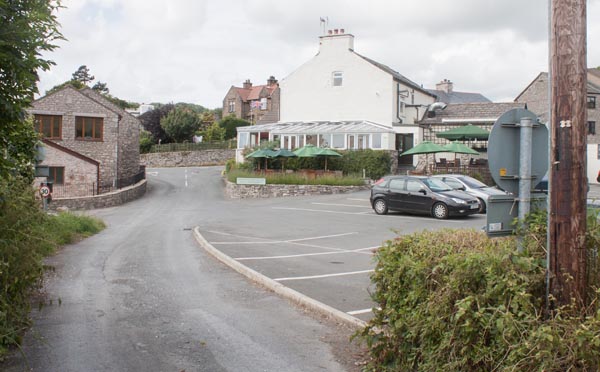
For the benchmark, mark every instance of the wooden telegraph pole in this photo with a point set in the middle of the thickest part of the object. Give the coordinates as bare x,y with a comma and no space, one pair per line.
568,192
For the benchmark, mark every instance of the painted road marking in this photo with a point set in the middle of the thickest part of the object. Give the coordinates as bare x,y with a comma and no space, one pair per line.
186,178
323,276
360,250
344,205
152,173
268,241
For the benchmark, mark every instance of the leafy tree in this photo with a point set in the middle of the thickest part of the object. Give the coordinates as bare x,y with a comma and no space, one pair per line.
146,141
207,119
180,124
27,28
101,88
198,109
218,113
83,75
230,123
151,122
214,133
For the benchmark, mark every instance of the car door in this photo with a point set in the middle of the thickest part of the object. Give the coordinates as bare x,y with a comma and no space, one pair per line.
415,200
396,193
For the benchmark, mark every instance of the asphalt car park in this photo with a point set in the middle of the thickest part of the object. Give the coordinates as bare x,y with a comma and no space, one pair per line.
321,246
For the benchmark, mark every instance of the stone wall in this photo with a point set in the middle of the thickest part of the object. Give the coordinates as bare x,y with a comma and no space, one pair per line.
235,191
110,199
186,158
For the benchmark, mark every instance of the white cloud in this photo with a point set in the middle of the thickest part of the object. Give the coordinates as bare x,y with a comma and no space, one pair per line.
193,51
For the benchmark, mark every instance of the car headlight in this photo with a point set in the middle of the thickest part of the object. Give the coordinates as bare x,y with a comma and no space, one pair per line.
459,201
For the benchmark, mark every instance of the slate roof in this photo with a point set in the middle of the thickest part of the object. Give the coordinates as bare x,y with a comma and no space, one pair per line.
591,87
458,97
298,127
463,113
403,79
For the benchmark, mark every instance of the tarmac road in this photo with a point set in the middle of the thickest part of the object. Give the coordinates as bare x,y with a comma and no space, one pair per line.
142,296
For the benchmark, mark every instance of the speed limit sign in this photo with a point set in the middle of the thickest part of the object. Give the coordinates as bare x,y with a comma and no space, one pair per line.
45,191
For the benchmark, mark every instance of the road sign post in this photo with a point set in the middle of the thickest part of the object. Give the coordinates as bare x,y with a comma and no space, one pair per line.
517,155
46,193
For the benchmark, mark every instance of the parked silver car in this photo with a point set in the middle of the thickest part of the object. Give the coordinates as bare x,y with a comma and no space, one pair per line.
472,186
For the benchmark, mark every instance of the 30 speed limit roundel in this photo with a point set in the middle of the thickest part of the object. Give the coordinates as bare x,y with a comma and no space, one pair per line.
45,191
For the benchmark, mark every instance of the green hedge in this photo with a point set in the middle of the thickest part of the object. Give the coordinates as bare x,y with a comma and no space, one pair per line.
455,300
375,163
27,235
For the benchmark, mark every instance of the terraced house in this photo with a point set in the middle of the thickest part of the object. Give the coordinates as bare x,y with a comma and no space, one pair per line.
92,145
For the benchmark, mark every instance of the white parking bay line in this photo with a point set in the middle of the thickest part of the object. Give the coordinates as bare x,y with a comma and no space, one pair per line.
323,276
321,211
360,250
266,241
344,205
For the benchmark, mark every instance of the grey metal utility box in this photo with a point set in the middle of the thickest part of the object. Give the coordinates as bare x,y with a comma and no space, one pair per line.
504,210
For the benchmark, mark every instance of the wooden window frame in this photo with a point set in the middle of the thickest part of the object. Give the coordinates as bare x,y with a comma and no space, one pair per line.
591,127
95,121
591,102
39,125
53,174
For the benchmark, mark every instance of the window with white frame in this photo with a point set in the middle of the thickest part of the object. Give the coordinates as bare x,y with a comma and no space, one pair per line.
338,77
338,140
376,140
231,104
324,140
263,104
242,140
598,152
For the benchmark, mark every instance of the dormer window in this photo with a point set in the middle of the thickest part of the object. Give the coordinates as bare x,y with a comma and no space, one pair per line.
338,78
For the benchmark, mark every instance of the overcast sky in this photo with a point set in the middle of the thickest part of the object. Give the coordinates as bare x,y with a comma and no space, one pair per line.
194,51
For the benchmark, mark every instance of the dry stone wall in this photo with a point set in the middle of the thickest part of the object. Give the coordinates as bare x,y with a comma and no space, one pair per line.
110,199
187,158
235,191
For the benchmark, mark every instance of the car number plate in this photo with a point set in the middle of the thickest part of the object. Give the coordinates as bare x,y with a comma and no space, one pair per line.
474,206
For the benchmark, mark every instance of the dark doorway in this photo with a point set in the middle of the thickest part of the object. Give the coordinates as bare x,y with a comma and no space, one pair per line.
404,142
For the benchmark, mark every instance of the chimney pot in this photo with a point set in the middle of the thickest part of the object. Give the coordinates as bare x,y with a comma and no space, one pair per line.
335,31
329,32
341,30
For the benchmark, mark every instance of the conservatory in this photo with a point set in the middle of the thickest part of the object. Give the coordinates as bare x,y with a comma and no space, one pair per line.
339,135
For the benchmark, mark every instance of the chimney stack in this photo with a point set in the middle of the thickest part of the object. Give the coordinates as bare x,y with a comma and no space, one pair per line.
445,86
247,84
330,32
271,81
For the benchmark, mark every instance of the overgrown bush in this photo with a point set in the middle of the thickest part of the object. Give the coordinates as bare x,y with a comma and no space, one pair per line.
455,300
27,235
297,179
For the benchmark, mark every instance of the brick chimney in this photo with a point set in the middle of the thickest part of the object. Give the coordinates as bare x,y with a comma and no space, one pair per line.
271,81
445,86
247,84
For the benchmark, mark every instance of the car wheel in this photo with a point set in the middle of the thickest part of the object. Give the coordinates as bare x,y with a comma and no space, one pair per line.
440,211
380,206
482,206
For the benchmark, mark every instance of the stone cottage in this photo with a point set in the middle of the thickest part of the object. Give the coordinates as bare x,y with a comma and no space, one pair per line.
92,145
258,104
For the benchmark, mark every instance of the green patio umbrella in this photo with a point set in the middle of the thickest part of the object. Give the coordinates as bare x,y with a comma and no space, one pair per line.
283,153
327,152
426,148
459,148
308,151
261,153
465,132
